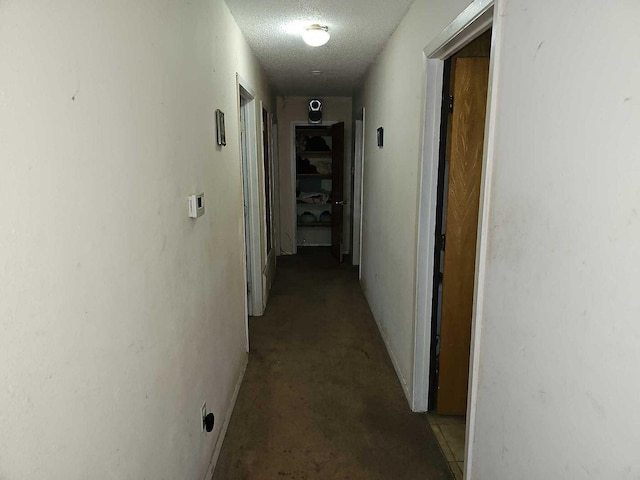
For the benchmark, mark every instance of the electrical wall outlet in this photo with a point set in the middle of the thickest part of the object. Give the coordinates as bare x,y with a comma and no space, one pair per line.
203,414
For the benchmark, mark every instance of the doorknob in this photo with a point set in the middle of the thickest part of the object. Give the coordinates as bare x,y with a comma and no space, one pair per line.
342,202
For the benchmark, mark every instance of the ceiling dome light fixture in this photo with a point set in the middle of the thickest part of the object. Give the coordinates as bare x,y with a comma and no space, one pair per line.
316,35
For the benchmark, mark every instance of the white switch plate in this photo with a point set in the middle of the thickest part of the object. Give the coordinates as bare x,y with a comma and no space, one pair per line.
196,205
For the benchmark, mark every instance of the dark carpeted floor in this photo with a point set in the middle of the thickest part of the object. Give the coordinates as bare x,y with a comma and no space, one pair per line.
320,398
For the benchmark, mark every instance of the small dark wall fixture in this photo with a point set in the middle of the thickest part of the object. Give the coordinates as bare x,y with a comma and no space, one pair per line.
315,110
380,136
209,421
221,137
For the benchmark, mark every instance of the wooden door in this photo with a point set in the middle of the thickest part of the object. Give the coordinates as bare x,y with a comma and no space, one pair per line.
337,188
470,83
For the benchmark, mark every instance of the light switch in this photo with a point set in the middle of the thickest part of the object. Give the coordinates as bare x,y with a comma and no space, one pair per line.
196,205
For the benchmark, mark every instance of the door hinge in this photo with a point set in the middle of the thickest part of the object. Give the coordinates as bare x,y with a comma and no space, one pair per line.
248,287
450,103
441,240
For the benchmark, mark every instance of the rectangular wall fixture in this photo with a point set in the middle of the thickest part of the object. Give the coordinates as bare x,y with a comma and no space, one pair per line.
196,205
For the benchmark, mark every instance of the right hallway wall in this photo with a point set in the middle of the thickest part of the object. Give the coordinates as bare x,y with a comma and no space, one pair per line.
559,348
393,96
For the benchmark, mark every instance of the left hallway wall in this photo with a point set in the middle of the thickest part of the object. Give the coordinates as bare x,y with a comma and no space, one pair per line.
119,314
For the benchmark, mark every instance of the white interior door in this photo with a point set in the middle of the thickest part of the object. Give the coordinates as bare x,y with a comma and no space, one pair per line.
246,201
254,222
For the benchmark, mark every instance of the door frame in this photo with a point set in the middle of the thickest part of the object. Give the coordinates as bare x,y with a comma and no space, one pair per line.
293,170
472,22
269,268
358,164
252,237
362,168
275,161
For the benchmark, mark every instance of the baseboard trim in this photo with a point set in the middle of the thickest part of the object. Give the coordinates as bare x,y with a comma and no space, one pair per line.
227,418
396,366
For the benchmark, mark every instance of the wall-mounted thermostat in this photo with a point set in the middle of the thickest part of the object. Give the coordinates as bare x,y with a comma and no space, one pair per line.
196,205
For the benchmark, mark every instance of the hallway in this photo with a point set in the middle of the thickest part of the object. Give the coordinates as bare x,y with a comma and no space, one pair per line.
320,398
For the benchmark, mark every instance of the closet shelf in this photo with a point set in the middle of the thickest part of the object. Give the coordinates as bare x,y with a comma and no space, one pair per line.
321,154
320,176
314,131
315,225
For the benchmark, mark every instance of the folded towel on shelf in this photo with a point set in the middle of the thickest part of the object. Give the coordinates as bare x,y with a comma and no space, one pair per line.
325,217
316,144
304,166
307,217
313,197
323,166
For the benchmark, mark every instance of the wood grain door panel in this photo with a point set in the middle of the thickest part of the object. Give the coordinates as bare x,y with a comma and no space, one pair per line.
470,85
337,188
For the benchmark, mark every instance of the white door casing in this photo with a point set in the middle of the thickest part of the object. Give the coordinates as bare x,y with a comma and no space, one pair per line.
357,192
472,22
251,193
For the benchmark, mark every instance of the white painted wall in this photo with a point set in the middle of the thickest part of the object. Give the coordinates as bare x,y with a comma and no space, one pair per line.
119,314
296,109
393,94
558,354
560,345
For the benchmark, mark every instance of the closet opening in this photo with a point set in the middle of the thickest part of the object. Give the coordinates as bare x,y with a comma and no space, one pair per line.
319,187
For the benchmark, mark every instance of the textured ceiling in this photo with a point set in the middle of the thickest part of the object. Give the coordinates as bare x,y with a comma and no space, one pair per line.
359,29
